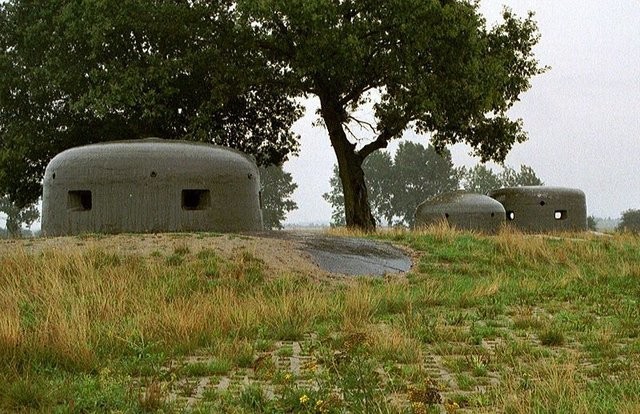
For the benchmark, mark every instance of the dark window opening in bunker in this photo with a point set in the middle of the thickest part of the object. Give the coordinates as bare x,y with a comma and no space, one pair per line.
196,199
79,200
511,215
560,214
542,203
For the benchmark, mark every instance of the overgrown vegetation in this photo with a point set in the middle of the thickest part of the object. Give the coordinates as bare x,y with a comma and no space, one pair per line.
511,322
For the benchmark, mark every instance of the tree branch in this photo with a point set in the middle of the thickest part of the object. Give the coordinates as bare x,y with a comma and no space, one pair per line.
381,142
363,124
350,131
355,93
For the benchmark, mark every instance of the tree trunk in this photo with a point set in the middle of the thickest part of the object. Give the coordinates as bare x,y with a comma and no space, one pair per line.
356,199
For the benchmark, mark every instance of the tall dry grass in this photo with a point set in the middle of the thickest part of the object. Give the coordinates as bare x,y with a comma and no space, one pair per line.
70,307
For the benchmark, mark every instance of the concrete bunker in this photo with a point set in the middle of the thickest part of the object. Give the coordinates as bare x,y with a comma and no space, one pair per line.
150,185
465,211
543,209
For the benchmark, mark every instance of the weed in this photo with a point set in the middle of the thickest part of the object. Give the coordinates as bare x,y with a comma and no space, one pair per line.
181,250
253,399
286,351
203,369
152,397
175,259
426,392
552,336
23,394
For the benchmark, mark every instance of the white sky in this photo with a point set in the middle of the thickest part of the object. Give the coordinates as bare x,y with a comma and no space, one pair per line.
582,116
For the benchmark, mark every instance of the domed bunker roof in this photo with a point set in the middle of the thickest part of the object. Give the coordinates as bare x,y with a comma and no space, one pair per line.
150,185
542,209
467,211
123,158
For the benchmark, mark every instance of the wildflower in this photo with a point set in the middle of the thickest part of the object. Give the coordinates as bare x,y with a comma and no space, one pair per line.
287,377
319,403
304,399
418,407
104,377
312,366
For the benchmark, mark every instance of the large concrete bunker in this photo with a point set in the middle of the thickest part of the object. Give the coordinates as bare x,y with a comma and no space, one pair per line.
150,185
544,209
465,211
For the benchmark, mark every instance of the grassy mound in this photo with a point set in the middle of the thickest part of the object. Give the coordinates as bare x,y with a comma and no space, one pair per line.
513,322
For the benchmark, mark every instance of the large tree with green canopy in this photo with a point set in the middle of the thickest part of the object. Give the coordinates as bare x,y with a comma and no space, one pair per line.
77,72
428,65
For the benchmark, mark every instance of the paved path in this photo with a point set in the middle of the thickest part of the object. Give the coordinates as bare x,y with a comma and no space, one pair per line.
349,255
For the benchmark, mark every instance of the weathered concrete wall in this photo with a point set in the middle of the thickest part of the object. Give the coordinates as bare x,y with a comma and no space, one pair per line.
150,185
465,211
544,209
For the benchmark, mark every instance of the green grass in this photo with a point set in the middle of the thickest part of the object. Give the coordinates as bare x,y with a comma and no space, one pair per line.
510,322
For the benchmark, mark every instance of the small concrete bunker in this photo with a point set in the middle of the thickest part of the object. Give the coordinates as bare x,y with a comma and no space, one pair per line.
544,209
150,185
465,211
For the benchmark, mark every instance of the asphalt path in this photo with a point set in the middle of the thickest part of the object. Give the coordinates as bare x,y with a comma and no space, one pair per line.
349,255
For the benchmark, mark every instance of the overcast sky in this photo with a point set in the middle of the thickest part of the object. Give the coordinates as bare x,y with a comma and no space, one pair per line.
582,116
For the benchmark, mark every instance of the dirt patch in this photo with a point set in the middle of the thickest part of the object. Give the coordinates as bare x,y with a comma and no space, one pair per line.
315,255
279,255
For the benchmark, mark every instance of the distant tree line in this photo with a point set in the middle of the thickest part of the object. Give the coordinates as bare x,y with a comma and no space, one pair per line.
630,221
415,173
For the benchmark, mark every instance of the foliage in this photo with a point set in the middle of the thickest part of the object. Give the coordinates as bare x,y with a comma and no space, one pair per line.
397,186
481,179
74,73
432,66
420,173
630,221
277,189
592,223
17,217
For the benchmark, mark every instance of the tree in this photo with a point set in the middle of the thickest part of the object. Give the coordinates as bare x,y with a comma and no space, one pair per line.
592,223
16,217
630,221
378,169
420,173
397,186
277,188
481,179
428,65
526,176
78,72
